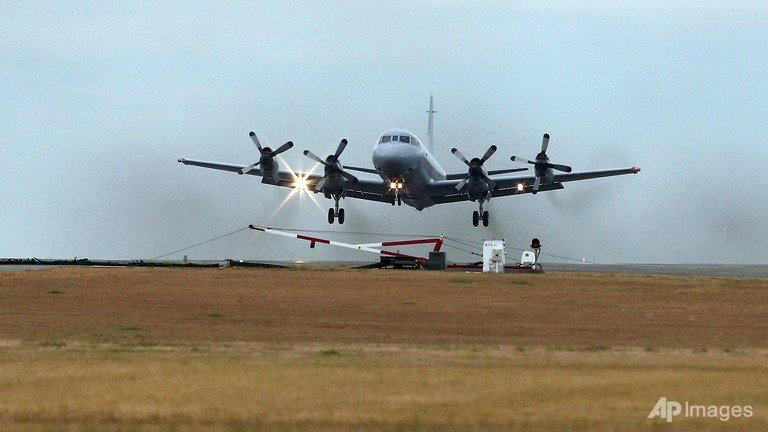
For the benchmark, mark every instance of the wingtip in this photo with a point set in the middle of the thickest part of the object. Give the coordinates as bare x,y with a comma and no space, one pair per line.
636,170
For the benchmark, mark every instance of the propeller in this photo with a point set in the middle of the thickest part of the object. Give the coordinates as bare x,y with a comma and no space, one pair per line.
331,164
541,163
475,167
267,155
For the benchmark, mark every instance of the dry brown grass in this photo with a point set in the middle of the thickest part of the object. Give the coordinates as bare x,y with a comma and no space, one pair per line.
333,349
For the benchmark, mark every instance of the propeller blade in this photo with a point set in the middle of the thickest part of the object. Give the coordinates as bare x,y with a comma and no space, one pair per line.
340,149
558,167
256,141
521,160
458,154
314,157
461,184
545,143
249,168
506,171
536,184
320,184
348,176
282,148
489,153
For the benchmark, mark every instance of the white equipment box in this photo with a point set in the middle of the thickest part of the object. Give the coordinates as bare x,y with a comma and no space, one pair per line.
494,256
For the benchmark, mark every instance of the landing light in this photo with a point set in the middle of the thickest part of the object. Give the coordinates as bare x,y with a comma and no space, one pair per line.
520,187
395,185
300,183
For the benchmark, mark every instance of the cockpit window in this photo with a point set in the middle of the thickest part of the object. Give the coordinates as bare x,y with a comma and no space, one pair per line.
407,139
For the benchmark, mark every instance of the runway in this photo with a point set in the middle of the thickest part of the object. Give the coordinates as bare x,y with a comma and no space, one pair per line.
725,270
733,270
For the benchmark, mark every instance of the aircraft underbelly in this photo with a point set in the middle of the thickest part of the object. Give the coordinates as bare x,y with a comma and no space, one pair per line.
416,183
413,167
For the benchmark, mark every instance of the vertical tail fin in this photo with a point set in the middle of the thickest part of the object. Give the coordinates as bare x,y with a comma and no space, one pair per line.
430,126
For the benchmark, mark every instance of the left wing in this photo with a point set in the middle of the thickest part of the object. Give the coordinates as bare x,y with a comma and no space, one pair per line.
444,191
525,184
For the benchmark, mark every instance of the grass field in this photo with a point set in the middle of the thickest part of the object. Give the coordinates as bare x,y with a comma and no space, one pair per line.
335,349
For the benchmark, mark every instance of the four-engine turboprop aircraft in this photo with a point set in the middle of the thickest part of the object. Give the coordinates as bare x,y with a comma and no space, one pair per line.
408,173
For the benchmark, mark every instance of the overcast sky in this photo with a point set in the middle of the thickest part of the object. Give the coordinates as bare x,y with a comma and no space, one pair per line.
99,100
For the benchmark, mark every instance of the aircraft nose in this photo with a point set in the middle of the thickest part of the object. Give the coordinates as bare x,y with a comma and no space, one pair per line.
393,166
394,159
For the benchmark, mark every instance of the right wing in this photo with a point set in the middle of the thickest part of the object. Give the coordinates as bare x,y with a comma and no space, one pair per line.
366,189
285,178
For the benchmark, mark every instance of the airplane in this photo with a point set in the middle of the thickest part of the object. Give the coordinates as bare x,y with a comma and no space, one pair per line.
408,173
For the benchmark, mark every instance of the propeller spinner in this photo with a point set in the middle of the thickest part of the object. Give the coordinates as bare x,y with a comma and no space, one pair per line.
331,185
267,155
542,164
332,163
475,167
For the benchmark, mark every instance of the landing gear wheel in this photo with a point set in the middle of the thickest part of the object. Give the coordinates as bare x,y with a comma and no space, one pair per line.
399,201
485,218
475,218
331,216
341,216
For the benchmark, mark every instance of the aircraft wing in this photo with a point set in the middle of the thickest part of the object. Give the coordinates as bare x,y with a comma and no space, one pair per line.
286,178
216,165
594,174
444,191
441,191
367,189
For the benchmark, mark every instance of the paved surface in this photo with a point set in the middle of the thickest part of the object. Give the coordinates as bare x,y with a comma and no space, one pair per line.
662,269
665,269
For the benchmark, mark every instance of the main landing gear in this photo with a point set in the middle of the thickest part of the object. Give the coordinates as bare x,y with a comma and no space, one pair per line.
477,216
336,213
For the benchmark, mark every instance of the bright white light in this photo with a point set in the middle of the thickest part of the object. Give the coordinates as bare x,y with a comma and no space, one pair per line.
300,183
393,185
301,188
520,187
